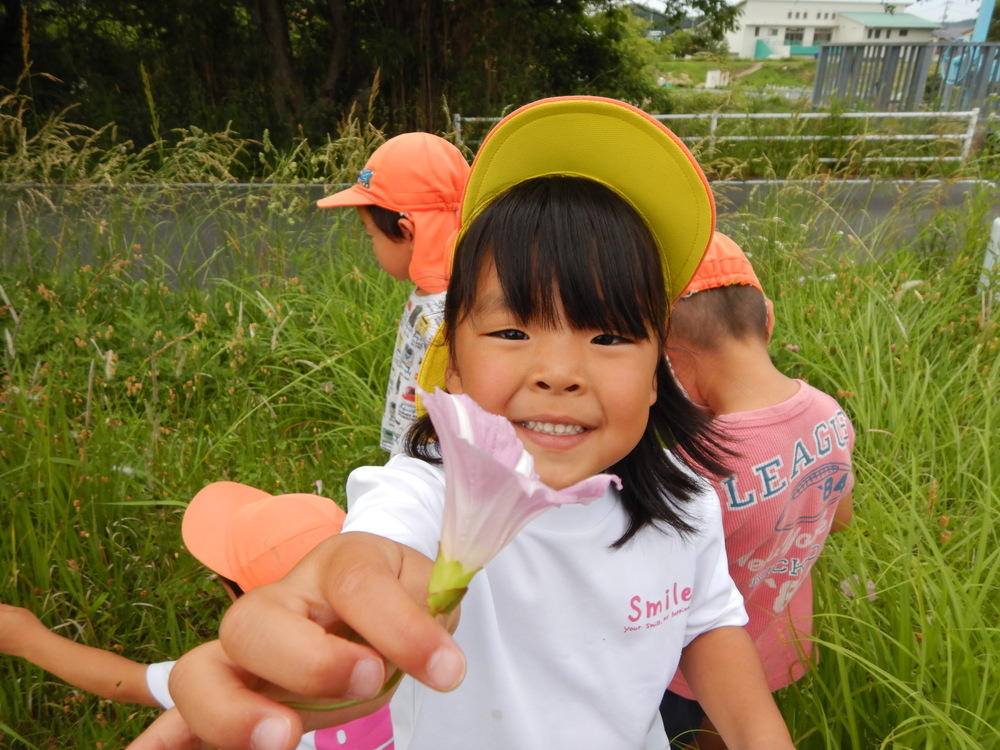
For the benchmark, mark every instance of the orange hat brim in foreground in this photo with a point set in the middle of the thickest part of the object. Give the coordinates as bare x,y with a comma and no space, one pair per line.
252,537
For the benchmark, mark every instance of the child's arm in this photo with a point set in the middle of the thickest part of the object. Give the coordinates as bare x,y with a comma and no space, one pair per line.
104,673
283,632
844,513
724,671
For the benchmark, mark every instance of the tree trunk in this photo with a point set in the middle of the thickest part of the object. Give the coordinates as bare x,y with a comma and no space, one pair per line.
287,92
340,46
10,33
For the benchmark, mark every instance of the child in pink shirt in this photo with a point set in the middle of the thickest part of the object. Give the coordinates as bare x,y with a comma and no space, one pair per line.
791,477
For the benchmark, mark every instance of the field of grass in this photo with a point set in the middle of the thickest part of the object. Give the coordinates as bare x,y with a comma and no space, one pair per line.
746,74
156,340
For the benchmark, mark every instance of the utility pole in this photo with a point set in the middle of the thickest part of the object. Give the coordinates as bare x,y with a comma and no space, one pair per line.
983,21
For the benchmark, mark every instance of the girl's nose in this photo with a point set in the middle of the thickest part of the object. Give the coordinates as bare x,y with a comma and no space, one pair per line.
560,372
546,385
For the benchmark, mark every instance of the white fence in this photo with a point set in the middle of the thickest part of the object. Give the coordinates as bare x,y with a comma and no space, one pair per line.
712,140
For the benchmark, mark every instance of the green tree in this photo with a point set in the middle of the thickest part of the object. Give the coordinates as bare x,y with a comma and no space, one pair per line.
993,32
298,67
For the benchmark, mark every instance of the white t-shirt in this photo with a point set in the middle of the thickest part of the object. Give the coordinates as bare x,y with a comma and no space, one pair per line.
569,643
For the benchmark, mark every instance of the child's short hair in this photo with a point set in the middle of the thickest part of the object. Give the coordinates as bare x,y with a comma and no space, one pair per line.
724,299
387,222
707,319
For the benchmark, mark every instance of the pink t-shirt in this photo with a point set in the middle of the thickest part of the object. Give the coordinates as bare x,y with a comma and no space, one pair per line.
372,732
777,508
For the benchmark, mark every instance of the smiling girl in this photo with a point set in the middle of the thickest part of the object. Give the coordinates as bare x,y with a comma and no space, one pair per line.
582,220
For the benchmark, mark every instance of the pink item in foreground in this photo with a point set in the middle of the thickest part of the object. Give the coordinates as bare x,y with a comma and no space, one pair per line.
491,491
372,732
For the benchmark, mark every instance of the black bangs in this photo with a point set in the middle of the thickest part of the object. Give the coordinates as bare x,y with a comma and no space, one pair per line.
570,240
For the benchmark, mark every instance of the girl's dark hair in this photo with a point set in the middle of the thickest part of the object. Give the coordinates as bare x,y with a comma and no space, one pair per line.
573,241
387,222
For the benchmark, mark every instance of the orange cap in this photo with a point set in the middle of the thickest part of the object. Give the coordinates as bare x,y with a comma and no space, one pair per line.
724,264
254,538
423,176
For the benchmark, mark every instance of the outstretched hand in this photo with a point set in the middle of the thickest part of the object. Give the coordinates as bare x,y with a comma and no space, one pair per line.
285,643
18,627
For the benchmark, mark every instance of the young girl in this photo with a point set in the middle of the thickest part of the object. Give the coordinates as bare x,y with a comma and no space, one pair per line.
582,219
408,196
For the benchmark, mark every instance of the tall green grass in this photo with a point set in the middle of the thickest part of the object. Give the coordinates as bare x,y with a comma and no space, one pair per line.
908,598
157,337
131,381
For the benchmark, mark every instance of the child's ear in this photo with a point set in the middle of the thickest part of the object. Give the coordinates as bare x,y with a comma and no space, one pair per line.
770,318
408,228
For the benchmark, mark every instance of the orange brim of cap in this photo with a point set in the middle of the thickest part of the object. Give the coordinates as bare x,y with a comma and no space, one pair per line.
207,519
614,144
724,264
252,537
355,195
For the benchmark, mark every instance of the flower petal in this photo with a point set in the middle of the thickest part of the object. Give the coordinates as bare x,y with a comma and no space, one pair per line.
491,489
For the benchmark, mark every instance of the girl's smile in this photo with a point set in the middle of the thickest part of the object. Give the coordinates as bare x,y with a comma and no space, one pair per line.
579,399
552,428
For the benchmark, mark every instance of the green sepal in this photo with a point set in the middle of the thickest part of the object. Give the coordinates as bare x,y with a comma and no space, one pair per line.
448,583
443,602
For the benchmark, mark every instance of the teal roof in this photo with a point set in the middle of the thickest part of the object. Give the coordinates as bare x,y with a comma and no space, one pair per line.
891,20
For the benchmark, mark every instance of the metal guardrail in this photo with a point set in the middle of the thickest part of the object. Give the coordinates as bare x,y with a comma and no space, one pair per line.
714,140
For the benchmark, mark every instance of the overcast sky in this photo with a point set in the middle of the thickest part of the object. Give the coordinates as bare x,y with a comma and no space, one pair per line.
935,10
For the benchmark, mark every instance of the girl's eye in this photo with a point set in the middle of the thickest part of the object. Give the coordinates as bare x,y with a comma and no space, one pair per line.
510,334
609,339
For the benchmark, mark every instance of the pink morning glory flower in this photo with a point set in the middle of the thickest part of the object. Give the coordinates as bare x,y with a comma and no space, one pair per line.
491,492
850,588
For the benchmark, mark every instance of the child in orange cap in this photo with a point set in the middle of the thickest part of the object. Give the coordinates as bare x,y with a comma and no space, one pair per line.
791,478
408,196
248,538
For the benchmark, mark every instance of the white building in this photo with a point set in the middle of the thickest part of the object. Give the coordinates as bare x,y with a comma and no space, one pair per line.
780,28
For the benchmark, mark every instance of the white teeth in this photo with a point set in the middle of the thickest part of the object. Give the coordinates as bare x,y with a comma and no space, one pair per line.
553,429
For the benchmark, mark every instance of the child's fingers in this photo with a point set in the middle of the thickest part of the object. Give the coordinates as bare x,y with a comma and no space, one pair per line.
386,603
217,706
168,731
281,632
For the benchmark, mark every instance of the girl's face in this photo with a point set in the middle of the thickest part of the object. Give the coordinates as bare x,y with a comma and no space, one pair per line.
394,257
579,399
